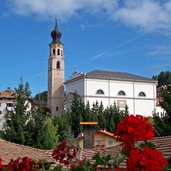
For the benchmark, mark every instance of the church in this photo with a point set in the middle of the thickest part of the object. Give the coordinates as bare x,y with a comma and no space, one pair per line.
108,87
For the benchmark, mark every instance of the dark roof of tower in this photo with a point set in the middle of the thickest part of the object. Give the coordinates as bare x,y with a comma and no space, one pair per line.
110,75
56,34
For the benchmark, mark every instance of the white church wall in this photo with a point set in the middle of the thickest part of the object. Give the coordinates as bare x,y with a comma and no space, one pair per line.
147,88
137,105
92,85
116,86
92,100
77,86
144,107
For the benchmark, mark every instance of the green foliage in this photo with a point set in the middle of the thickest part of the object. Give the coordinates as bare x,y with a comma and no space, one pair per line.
77,110
107,118
14,127
58,168
41,96
147,144
84,166
161,126
29,125
35,128
166,102
40,132
64,127
164,78
100,160
49,135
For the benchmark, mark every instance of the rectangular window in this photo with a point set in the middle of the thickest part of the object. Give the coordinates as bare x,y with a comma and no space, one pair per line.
0,112
121,103
98,142
110,142
10,104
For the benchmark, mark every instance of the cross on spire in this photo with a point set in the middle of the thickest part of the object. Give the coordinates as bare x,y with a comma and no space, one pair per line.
56,26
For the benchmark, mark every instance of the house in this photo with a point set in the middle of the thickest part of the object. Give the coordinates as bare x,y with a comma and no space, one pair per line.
162,144
6,104
105,139
109,87
92,138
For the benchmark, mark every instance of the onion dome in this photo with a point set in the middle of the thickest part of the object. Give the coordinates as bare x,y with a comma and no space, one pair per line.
56,34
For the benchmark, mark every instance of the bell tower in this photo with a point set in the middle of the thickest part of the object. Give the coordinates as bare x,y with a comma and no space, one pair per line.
56,73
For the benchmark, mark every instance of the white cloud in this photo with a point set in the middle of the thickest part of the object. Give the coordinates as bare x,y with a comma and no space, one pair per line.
61,8
147,15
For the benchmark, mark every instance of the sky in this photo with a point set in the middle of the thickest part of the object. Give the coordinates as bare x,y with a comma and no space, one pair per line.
131,36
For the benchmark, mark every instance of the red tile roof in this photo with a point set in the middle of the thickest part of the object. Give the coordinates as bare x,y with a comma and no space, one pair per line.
9,150
7,94
106,133
163,144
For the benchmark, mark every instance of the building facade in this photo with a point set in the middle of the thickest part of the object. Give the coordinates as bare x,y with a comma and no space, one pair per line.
56,73
109,87
6,104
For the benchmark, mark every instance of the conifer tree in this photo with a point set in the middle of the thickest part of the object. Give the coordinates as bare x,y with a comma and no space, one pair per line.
14,127
40,130
64,127
35,127
49,135
77,110
87,114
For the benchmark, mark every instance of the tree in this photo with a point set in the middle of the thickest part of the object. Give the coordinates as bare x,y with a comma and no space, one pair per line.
49,135
35,127
64,127
41,96
40,130
14,127
164,78
166,101
77,110
163,125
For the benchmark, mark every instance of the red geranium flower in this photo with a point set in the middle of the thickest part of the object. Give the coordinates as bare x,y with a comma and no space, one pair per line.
146,159
134,128
1,166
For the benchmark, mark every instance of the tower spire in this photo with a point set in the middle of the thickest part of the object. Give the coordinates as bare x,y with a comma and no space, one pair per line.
56,34
56,73
56,25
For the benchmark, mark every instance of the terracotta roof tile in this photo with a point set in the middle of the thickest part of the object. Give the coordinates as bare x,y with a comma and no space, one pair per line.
106,132
163,144
7,94
9,150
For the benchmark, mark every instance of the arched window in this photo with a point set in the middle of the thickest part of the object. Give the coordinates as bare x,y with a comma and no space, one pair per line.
58,65
61,52
53,51
58,52
141,94
121,93
57,108
99,91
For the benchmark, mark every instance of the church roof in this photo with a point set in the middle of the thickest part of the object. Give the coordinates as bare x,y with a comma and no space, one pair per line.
110,75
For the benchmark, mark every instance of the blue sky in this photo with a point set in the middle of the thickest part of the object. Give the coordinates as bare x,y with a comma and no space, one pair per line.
123,35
